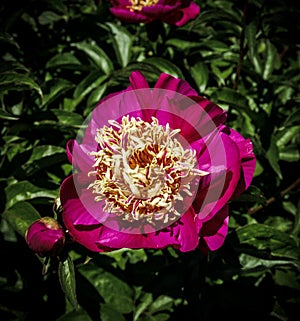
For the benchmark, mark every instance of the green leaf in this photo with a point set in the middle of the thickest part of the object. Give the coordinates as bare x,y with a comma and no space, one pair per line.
296,227
216,45
122,42
165,66
109,313
43,157
287,278
200,74
293,119
181,44
156,317
161,303
272,60
290,153
68,118
76,315
251,264
63,60
5,115
273,157
58,6
146,299
19,82
45,151
108,285
95,97
267,242
232,98
25,190
6,38
60,86
20,216
286,135
9,66
250,34
66,273
49,17
96,54
92,81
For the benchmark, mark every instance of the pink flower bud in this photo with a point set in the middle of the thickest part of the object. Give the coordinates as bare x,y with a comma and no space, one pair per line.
45,237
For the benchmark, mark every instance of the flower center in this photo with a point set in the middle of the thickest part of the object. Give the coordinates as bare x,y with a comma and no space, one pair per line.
141,169
137,5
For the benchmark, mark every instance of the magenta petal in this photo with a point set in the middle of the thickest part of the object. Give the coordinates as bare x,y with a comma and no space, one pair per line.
79,154
212,112
73,206
86,236
248,159
69,149
169,82
128,16
214,231
115,240
87,233
138,81
183,236
224,165
188,13
187,231
125,103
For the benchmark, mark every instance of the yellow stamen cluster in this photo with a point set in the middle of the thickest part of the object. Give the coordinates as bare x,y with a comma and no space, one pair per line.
141,169
137,5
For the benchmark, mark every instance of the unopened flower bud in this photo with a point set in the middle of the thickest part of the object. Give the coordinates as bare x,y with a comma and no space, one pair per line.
45,237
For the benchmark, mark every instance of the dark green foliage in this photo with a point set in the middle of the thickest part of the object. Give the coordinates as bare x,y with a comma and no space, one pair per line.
58,59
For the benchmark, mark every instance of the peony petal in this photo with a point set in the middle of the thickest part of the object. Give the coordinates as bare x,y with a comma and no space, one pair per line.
188,13
169,82
86,233
212,112
82,161
248,159
187,231
69,149
86,236
138,81
115,240
130,16
182,235
73,206
222,160
214,231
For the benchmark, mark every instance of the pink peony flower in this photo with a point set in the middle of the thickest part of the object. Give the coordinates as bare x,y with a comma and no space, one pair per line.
154,167
175,12
45,237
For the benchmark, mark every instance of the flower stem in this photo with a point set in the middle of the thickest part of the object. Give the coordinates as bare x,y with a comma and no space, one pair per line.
272,199
241,54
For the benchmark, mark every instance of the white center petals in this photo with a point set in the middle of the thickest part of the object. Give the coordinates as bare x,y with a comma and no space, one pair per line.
137,5
141,170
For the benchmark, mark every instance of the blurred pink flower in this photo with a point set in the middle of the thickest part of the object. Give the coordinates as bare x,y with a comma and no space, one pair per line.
45,237
156,167
175,12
